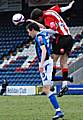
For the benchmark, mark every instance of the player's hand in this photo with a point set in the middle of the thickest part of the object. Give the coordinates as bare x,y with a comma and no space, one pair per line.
41,69
71,3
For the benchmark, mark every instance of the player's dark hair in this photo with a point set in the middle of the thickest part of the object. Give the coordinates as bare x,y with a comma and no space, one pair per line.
36,13
33,26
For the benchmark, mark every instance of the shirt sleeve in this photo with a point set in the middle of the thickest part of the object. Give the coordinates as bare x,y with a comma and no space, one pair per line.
56,8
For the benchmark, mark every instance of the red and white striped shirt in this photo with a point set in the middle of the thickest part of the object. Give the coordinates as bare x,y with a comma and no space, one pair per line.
55,21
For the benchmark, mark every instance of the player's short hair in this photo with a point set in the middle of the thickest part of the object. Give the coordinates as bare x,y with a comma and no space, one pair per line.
36,13
32,26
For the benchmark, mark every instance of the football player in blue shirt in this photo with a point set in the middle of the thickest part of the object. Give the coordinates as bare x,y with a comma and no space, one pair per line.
45,64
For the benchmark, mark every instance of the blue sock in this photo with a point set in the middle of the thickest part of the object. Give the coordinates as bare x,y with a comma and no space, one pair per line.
54,101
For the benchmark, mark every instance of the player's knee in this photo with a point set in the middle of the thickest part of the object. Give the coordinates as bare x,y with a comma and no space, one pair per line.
46,89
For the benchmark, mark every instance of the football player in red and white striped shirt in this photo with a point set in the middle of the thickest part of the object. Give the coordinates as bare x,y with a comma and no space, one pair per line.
63,43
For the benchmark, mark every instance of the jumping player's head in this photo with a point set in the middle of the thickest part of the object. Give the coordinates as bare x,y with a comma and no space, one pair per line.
32,29
37,15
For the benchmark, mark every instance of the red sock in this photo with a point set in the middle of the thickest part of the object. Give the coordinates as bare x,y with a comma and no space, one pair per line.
65,73
54,69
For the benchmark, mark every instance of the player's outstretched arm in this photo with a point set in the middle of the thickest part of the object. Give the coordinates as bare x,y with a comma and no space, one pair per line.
42,27
63,9
39,24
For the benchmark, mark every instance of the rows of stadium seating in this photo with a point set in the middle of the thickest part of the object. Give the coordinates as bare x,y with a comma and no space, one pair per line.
77,49
10,38
21,68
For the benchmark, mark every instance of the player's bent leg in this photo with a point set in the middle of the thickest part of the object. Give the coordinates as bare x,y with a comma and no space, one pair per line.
54,102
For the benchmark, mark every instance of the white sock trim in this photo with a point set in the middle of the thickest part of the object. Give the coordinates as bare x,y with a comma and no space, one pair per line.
64,84
58,109
49,94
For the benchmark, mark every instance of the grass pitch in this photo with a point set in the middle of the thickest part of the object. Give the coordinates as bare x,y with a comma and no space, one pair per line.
39,107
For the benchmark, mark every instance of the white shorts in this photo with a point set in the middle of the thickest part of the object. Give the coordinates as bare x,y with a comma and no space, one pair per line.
46,76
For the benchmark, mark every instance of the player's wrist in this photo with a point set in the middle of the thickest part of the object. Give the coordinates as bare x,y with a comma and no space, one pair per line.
41,65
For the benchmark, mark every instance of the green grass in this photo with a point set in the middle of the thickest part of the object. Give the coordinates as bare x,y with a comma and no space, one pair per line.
39,107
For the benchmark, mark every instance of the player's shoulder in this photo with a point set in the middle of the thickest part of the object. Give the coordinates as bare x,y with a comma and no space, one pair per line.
40,34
